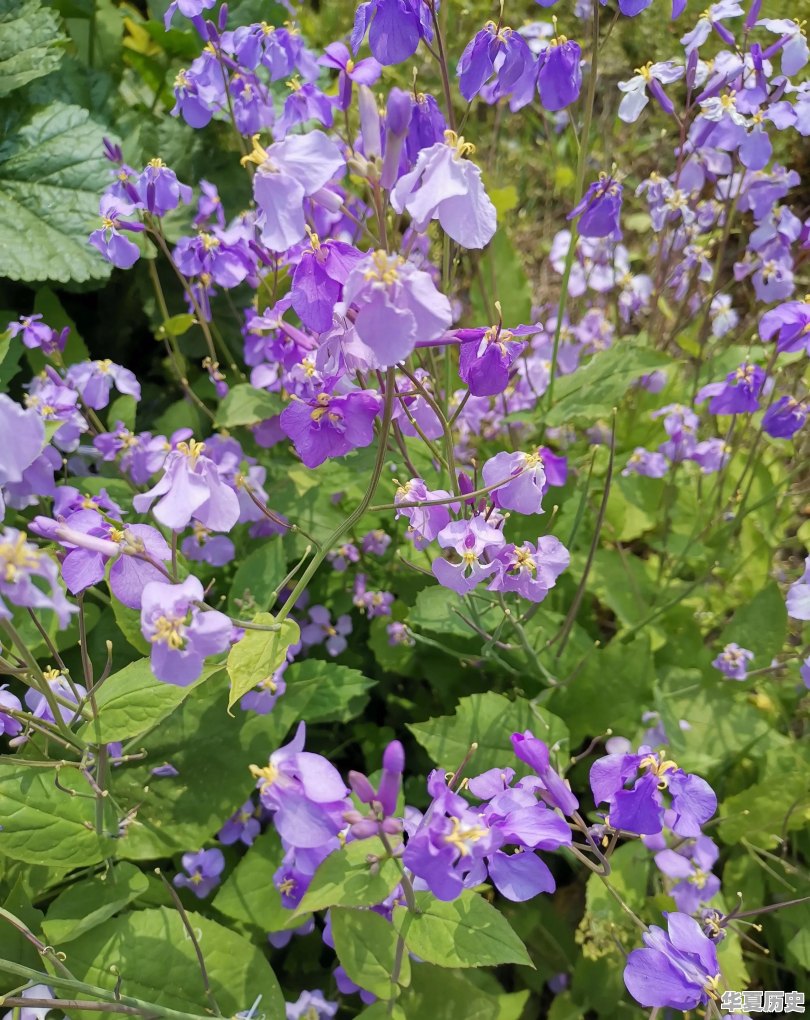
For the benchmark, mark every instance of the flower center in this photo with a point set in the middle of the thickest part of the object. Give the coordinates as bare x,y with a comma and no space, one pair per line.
460,838
457,143
169,631
16,557
193,450
384,268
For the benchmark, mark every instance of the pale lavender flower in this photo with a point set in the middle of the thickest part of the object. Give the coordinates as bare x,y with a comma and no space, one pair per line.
203,872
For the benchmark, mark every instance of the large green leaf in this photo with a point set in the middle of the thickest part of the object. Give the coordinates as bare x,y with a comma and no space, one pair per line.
360,875
488,720
155,958
443,995
247,405
320,691
30,40
249,894
256,578
212,752
259,654
467,932
88,904
132,701
366,945
42,824
52,171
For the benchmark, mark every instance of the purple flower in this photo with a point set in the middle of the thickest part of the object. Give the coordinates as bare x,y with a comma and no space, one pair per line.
311,1006
382,801
242,827
21,564
398,634
35,334
394,28
524,481
494,51
181,633
361,72
530,570
798,596
553,789
640,807
739,394
206,547
790,324
287,172
317,284
645,462
9,726
203,871
375,543
320,630
219,254
712,18
425,521
486,356
784,418
374,603
559,74
678,970
651,76
445,186
94,380
61,689
397,304
330,425
190,488
600,209
306,793
471,540
159,190
109,240
732,661
29,437
691,864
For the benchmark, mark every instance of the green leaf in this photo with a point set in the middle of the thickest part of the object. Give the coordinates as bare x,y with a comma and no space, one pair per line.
45,825
147,946
259,654
488,720
247,405
505,281
177,325
437,610
467,932
758,625
600,385
52,171
30,40
212,752
365,944
346,879
256,578
132,701
88,904
249,894
443,995
320,691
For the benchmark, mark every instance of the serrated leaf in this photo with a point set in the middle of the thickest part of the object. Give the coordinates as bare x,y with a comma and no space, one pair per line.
598,386
320,691
147,945
42,824
437,609
247,405
132,701
366,944
259,654
488,720
466,932
30,40
88,904
52,171
347,879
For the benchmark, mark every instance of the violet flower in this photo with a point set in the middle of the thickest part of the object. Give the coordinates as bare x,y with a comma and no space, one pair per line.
109,240
471,540
242,827
739,394
361,72
21,563
524,481
38,705
445,186
651,76
158,189
640,807
784,418
559,74
600,209
426,521
382,801
691,864
397,304
317,284
204,869
798,595
181,633
678,970
36,334
394,28
321,630
330,425
9,726
790,324
732,661
552,788
311,1006
190,488
486,356
94,380
530,570
28,430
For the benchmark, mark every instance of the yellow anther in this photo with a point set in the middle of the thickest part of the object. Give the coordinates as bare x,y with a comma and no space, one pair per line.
384,268
169,631
458,144
192,449
268,774
17,556
258,155
460,838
